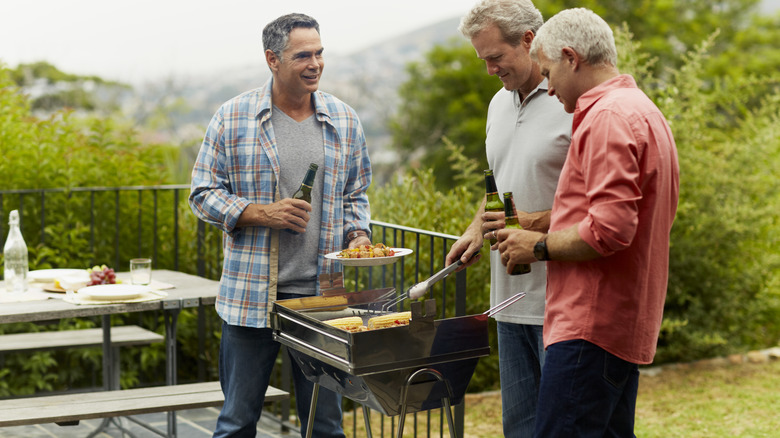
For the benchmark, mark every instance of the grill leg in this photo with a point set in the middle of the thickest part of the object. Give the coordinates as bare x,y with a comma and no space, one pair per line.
310,425
445,400
367,419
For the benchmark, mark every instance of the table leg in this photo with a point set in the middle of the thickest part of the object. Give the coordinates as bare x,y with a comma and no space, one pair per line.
110,378
171,317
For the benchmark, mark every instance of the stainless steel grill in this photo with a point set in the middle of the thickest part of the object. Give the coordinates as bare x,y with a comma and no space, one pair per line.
424,365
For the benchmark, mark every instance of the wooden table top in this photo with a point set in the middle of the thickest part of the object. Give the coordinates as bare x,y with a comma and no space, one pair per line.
189,291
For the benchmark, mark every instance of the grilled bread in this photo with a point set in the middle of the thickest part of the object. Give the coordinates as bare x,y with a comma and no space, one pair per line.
389,320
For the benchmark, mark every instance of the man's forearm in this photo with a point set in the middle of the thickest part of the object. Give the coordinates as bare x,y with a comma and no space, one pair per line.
567,246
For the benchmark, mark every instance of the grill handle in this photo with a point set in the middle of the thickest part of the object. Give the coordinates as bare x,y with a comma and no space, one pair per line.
504,304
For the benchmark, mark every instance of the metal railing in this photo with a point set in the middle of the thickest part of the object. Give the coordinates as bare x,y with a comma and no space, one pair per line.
95,224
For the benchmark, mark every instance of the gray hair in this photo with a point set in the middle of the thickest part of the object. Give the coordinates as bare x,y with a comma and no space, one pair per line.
276,34
512,17
581,30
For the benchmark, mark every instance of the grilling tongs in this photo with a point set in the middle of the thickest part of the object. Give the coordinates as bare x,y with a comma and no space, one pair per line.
419,289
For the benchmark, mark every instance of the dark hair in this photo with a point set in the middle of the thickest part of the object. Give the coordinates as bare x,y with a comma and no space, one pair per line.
276,34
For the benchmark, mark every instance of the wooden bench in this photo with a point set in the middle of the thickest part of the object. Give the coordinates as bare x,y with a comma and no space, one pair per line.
121,336
71,408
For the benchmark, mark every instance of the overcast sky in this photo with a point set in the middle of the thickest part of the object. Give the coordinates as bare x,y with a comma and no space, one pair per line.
137,40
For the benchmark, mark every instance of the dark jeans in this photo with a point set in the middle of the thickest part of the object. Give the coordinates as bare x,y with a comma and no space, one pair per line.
520,361
246,359
586,392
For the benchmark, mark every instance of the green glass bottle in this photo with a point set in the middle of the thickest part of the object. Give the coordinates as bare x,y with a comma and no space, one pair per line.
510,220
304,191
492,200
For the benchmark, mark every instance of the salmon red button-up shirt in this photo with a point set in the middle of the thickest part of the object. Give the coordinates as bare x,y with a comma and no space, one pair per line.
621,184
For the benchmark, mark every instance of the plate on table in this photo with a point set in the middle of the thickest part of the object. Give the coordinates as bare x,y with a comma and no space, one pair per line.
53,287
114,291
370,261
50,275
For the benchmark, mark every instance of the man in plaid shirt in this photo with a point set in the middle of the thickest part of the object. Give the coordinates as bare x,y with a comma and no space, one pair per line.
254,154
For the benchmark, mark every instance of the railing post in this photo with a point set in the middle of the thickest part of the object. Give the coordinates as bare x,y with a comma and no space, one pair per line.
201,238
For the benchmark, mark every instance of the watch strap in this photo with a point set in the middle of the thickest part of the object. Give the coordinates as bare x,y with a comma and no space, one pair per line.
540,250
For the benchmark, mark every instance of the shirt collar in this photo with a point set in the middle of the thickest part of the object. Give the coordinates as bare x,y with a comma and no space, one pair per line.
542,87
590,97
264,103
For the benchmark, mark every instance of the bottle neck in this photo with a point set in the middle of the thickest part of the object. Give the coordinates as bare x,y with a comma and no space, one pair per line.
490,184
308,180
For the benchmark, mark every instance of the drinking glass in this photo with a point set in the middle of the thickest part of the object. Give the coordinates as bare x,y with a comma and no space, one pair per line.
141,271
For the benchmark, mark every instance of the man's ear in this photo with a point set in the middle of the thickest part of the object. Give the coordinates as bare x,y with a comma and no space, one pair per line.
528,38
272,60
571,57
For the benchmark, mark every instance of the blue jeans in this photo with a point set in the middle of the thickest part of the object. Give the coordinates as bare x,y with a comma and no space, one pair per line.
586,392
520,361
246,360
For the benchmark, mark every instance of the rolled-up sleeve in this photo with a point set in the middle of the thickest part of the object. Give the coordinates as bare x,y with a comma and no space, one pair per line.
613,188
211,197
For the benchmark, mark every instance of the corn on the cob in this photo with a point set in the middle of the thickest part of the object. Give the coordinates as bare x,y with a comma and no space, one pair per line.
389,320
349,323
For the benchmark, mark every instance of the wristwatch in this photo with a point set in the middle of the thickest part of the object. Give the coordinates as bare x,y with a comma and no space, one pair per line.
540,250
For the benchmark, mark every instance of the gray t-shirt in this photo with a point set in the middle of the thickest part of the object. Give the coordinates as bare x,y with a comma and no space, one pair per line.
526,147
298,145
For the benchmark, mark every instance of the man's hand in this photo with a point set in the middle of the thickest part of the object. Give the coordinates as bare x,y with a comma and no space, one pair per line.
517,247
359,240
492,221
286,213
464,248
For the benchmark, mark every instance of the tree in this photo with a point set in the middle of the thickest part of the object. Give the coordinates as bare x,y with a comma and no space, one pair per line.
448,91
53,90
668,28
446,95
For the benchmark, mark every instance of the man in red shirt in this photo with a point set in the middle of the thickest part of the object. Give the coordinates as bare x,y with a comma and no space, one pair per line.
608,244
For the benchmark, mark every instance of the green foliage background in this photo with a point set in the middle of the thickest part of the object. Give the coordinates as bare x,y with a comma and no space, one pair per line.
70,150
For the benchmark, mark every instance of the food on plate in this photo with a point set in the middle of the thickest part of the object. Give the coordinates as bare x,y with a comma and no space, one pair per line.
71,282
101,275
349,323
366,252
389,320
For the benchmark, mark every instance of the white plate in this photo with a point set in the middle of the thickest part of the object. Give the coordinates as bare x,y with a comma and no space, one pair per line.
114,291
49,275
373,261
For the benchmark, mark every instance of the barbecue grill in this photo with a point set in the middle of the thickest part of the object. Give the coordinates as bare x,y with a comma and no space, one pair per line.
424,365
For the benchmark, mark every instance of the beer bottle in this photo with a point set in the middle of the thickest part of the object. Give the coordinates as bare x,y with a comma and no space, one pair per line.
492,200
511,222
304,191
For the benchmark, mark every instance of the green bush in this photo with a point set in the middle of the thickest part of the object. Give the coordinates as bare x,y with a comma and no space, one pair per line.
70,228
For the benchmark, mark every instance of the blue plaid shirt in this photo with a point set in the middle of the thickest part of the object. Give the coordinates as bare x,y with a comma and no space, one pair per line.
238,165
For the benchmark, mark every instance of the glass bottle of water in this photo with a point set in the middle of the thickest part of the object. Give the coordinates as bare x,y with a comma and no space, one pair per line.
15,257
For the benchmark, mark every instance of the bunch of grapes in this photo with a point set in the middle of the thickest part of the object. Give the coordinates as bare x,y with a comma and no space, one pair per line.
101,275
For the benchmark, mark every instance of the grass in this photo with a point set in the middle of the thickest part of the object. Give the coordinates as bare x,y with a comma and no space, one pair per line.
691,401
